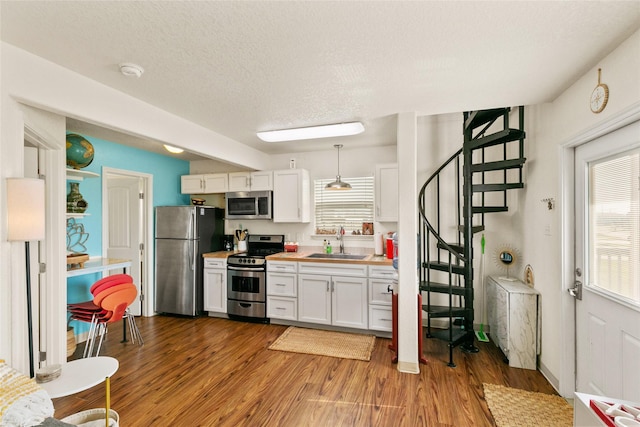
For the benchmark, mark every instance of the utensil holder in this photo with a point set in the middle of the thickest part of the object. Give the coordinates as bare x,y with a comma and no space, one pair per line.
242,245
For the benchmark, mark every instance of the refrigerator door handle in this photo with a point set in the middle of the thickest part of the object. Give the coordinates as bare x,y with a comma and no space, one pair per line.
192,255
192,232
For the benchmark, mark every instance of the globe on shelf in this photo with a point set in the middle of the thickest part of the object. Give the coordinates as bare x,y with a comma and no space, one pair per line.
79,151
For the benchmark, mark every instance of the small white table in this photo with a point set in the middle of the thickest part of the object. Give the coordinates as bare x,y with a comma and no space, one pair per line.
82,374
100,265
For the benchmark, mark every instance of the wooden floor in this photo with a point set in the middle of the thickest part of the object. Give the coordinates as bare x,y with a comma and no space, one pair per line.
218,372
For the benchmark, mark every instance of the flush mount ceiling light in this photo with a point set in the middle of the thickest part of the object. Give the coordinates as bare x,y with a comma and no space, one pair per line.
338,184
172,149
312,132
131,70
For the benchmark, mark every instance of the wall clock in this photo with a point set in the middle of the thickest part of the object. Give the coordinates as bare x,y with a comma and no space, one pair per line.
599,96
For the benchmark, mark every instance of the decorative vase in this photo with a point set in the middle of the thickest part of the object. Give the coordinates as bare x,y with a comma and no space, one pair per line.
75,202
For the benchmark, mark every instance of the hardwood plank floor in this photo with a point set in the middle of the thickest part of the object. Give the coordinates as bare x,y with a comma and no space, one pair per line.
218,372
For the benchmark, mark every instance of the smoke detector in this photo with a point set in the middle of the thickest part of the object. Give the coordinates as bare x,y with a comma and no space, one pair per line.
131,70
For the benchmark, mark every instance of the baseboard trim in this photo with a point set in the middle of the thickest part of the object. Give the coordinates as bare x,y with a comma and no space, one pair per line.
408,367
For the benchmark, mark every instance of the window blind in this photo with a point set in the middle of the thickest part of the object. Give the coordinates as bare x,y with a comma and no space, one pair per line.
348,208
614,225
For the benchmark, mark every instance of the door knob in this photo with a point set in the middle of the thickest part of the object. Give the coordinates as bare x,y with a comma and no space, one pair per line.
576,291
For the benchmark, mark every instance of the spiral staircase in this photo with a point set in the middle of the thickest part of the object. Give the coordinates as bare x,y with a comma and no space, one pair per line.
453,203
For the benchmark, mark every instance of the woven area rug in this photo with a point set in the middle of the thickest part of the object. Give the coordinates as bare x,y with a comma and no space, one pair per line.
512,407
325,343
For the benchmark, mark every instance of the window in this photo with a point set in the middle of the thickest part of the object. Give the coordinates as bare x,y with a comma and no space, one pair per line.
614,225
349,209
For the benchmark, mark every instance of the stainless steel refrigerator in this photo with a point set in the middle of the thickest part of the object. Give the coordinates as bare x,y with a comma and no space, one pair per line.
183,234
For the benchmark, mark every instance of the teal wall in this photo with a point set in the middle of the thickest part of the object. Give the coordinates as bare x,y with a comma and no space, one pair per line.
166,171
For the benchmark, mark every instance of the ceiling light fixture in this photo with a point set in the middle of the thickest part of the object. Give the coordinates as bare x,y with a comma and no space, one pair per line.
338,184
312,132
131,70
172,149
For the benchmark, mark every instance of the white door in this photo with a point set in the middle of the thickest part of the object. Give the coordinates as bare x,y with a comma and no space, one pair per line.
608,264
125,227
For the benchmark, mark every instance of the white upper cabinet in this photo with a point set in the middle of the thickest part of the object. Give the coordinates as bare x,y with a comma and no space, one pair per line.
291,196
386,186
251,181
204,184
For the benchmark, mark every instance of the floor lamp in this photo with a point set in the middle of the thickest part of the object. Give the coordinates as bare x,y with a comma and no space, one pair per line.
25,223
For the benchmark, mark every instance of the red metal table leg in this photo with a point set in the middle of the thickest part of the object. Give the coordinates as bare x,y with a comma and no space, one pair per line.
394,328
421,358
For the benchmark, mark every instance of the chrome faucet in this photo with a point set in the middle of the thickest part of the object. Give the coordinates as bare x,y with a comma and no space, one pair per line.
340,239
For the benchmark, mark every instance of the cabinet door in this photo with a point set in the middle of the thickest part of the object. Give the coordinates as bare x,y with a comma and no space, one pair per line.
314,299
282,308
386,182
191,184
291,195
380,291
216,183
215,290
262,181
380,318
282,284
239,181
349,302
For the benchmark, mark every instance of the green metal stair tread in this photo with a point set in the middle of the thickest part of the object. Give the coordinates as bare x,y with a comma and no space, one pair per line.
443,288
479,118
483,188
444,266
474,229
455,246
443,311
500,137
499,165
489,209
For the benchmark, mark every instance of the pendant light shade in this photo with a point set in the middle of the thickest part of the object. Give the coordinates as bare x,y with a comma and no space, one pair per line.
338,184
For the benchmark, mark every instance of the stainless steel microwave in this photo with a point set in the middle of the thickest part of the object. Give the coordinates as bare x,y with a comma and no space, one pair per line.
249,205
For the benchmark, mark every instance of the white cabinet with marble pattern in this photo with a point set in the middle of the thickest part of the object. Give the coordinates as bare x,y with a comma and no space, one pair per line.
514,320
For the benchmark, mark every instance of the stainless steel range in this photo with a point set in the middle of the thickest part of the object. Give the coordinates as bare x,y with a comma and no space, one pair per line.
247,278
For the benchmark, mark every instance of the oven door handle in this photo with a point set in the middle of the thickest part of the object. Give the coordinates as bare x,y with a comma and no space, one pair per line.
257,269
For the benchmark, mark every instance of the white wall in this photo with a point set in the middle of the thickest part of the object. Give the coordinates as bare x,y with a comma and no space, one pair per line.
29,80
320,164
529,226
539,229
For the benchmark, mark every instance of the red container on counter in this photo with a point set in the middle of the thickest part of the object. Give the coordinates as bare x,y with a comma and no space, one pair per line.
389,248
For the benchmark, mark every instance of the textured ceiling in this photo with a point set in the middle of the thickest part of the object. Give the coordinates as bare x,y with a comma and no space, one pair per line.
237,67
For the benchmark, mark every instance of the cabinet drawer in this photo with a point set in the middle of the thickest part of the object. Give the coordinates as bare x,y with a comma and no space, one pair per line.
282,284
383,271
282,308
333,269
379,291
380,318
215,263
282,266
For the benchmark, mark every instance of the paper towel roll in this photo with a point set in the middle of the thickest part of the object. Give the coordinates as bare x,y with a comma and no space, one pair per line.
377,238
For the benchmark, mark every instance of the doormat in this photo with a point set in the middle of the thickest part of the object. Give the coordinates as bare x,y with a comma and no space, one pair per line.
513,407
325,343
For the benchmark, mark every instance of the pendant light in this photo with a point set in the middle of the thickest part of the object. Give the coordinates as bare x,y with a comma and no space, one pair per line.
338,184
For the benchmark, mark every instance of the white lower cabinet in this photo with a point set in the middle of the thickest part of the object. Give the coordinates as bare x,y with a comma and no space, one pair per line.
282,290
333,294
215,285
380,292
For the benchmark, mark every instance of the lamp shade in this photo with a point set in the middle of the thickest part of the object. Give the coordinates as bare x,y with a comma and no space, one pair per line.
25,209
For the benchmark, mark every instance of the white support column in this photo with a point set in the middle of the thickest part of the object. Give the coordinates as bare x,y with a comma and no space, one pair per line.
407,249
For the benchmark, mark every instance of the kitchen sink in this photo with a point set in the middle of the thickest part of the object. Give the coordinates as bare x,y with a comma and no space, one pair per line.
336,256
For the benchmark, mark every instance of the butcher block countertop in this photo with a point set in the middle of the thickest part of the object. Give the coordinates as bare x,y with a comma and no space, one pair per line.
302,253
370,259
